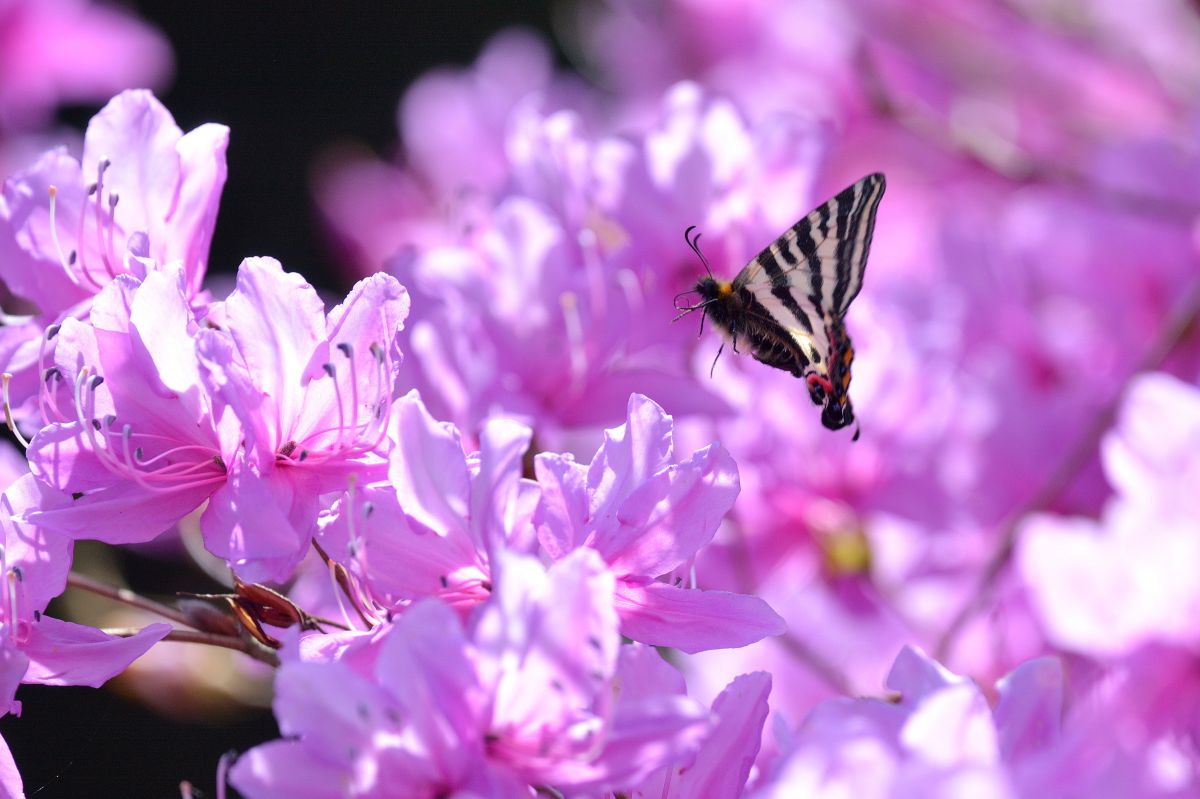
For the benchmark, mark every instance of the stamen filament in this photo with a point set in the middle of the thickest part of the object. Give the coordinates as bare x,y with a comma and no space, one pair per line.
8,417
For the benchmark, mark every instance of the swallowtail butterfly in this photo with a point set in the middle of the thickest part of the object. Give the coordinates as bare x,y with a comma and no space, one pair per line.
790,300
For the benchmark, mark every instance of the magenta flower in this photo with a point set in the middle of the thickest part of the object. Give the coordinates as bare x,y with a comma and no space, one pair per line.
71,51
1110,586
938,736
524,696
144,196
312,395
647,515
432,527
721,766
139,443
452,122
263,415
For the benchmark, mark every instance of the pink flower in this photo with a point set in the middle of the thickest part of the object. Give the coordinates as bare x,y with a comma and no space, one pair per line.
71,51
937,737
144,196
452,123
721,766
647,515
432,528
527,695
1107,587
312,395
262,414
140,442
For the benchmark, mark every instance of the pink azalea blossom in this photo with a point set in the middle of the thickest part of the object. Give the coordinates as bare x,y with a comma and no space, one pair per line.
145,195
527,695
453,124
647,515
262,414
940,735
1105,587
722,765
311,393
432,528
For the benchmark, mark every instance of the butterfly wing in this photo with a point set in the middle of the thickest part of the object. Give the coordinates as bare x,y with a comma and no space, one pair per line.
809,276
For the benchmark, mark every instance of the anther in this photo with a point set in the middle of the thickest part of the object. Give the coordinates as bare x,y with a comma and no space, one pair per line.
91,189
72,256
328,367
346,349
52,331
96,382
377,351
113,199
368,508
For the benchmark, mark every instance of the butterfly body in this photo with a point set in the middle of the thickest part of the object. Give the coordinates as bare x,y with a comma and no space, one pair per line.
789,302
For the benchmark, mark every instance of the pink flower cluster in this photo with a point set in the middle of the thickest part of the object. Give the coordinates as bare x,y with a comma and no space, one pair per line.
560,558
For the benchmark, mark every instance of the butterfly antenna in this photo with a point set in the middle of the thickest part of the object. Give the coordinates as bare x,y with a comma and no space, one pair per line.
694,243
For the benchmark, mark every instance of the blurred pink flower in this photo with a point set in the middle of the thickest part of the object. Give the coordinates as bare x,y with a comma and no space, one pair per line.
1109,586
453,162
71,51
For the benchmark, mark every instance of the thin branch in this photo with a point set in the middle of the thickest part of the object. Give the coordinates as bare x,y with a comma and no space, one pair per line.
1181,323
242,645
815,663
127,597
744,574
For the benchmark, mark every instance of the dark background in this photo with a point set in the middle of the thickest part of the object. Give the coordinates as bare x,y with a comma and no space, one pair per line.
289,78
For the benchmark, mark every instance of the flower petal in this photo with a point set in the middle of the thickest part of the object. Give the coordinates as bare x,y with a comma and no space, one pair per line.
669,517
247,523
692,620
428,468
62,653
277,321
562,512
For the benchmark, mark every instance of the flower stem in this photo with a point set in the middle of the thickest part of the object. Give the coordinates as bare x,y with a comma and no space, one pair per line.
244,646
127,597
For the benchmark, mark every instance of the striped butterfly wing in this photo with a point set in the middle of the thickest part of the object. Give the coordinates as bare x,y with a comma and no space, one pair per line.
808,277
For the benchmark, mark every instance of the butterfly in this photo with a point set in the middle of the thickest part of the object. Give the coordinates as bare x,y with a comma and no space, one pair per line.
790,301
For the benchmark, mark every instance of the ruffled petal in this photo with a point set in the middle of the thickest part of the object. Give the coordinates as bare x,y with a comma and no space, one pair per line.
668,518
277,321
